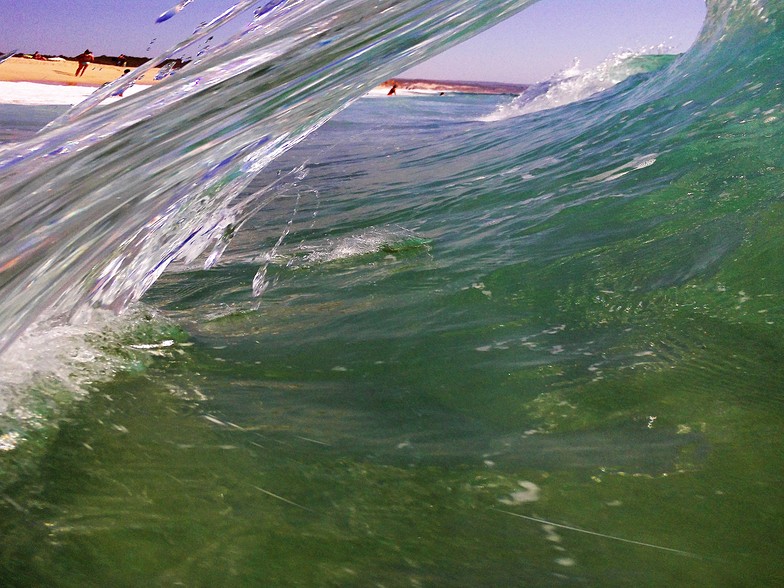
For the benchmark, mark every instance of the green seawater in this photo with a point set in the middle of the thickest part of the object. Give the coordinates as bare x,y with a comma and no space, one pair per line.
537,351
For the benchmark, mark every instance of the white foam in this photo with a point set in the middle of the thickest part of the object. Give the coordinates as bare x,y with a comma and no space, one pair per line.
530,493
573,84
371,240
54,363
34,94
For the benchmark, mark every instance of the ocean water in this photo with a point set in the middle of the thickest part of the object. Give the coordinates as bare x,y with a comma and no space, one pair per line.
428,341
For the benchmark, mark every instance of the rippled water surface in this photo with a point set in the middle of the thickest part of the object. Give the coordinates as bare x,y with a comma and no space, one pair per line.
442,341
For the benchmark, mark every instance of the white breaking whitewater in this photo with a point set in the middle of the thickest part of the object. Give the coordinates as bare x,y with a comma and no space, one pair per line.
35,94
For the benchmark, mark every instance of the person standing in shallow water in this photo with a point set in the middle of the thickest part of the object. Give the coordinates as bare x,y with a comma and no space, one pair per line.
84,60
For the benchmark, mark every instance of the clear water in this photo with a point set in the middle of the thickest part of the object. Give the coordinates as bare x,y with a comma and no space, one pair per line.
440,350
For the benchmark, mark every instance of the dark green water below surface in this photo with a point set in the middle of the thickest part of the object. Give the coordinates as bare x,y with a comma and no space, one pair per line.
227,473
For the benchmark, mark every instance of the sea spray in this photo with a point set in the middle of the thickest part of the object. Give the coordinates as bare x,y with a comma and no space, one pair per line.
173,11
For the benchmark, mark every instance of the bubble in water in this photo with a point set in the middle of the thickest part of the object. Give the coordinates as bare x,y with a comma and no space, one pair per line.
530,493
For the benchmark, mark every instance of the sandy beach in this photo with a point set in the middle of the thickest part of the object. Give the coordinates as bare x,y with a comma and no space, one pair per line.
20,69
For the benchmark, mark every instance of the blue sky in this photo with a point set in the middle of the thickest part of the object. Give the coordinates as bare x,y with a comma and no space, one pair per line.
546,37
528,47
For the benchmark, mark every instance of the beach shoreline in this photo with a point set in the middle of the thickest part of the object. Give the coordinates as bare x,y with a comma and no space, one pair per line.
422,86
60,72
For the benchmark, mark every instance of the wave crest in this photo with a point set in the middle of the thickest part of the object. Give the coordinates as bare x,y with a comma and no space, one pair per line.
574,84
